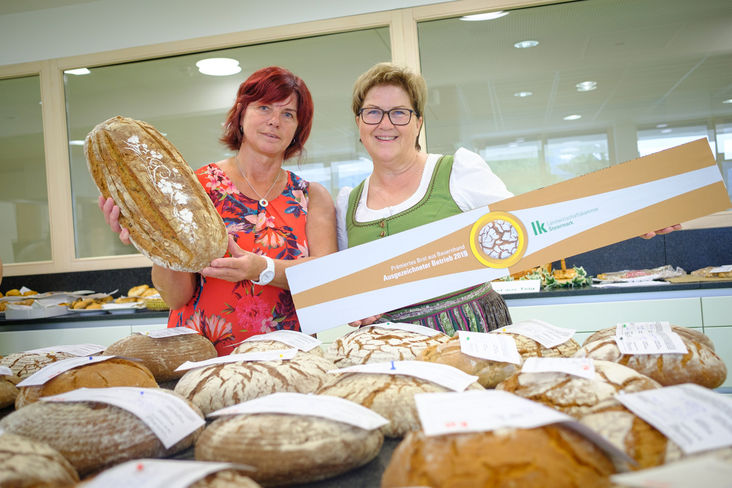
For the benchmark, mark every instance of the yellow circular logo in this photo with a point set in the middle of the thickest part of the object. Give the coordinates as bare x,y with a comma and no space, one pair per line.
498,239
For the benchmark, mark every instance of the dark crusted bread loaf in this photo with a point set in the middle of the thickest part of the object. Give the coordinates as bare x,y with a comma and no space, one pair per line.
28,463
163,355
288,449
170,217
549,456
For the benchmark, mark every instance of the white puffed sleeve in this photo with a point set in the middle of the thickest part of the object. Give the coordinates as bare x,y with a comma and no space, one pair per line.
472,182
341,209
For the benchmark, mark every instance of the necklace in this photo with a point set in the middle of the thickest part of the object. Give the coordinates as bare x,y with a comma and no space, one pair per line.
262,199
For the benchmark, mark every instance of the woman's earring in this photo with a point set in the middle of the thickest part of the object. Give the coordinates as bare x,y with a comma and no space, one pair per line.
241,130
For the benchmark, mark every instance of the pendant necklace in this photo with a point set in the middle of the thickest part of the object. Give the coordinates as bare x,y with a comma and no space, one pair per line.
262,199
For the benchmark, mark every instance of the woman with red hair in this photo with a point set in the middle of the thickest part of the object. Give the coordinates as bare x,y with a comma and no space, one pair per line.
274,218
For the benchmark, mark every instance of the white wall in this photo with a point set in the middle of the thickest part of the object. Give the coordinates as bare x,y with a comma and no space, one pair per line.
103,25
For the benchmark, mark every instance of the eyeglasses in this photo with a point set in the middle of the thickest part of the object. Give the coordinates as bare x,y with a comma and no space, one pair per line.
397,116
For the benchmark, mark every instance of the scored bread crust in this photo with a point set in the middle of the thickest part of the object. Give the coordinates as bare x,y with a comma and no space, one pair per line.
260,346
92,435
548,456
112,372
163,355
24,364
286,449
25,462
171,219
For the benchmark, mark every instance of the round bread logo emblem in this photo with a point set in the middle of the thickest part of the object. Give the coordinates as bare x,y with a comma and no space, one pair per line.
498,240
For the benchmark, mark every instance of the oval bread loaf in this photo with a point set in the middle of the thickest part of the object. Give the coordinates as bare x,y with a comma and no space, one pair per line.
171,219
528,458
163,355
28,463
288,449
258,346
24,364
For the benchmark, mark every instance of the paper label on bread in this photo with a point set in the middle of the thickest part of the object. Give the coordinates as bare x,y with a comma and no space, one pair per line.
441,374
417,329
277,355
648,338
325,406
168,416
582,367
49,372
694,417
494,347
170,332
153,473
5,371
544,333
303,342
171,219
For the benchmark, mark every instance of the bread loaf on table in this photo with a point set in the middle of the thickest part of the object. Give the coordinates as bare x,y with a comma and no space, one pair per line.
214,387
542,457
258,346
24,364
171,219
112,372
288,449
163,355
391,396
575,395
699,365
92,435
377,344
8,390
28,463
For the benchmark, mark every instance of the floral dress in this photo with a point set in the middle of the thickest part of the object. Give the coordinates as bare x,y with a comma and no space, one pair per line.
227,312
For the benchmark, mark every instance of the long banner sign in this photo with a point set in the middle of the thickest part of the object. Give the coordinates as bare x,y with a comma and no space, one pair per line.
518,233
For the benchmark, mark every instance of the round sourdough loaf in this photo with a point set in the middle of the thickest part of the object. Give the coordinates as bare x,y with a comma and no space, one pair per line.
170,217
528,347
214,387
391,396
542,457
112,372
687,332
374,344
577,396
257,346
162,355
699,365
8,390
288,449
28,463
24,364
92,435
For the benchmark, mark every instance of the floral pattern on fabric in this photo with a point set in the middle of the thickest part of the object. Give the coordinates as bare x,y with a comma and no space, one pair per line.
227,312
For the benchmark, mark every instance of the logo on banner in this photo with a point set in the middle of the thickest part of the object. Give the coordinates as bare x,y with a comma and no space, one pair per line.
498,239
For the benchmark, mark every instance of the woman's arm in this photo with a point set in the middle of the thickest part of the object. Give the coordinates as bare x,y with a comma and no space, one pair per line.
176,288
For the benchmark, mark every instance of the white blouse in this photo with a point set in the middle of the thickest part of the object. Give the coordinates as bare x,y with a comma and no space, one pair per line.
472,185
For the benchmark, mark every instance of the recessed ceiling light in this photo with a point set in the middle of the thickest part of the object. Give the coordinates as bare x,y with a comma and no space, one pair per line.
218,66
584,86
665,131
573,117
485,16
661,126
729,100
523,94
77,72
526,44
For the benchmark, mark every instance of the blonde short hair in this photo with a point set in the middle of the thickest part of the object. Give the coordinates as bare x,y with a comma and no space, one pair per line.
391,74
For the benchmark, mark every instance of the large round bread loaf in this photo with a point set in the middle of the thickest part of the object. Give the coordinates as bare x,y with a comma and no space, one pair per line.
259,346
24,364
543,457
699,365
92,435
376,344
170,217
104,374
577,396
391,396
288,449
163,355
214,387
28,463
529,348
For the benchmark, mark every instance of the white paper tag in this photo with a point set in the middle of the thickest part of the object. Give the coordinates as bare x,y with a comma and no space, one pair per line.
722,269
75,349
168,416
276,355
707,471
5,371
292,338
325,406
582,367
441,374
169,332
516,286
154,473
52,370
495,347
544,333
648,338
417,329
694,417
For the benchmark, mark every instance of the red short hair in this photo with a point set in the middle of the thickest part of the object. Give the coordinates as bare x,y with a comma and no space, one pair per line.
269,85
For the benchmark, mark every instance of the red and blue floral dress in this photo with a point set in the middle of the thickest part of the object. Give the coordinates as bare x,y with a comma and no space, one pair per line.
227,312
